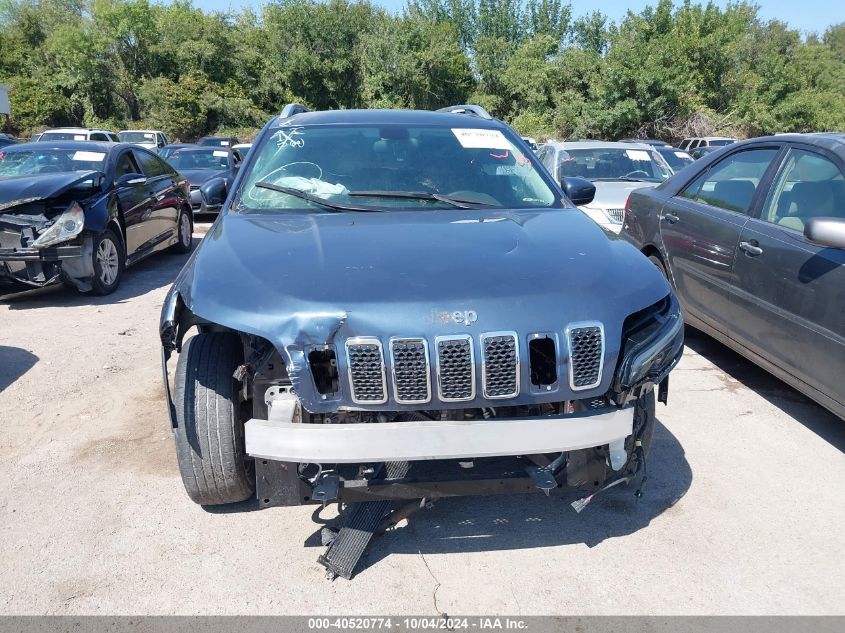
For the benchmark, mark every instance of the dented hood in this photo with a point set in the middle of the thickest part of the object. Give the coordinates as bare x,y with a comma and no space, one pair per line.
22,189
312,279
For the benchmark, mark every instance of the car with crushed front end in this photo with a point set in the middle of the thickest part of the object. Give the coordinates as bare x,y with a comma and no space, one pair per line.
403,305
81,211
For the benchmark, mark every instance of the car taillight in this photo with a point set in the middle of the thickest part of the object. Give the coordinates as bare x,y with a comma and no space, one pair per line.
627,212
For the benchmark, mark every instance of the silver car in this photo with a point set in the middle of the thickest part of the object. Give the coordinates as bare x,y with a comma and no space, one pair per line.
616,169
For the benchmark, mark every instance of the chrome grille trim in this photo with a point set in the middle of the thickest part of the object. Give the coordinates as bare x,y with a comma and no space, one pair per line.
365,341
445,339
487,368
396,379
617,215
575,329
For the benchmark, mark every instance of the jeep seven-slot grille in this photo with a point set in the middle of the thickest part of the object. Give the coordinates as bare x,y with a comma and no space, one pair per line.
366,370
455,369
586,353
411,380
501,365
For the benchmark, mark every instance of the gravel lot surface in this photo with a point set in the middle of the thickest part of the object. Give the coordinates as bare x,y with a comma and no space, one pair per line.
743,512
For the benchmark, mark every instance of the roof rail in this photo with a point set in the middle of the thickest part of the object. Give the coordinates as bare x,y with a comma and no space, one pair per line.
293,108
474,110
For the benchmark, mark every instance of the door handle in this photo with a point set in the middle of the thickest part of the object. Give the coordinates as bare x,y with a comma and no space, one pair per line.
671,218
751,249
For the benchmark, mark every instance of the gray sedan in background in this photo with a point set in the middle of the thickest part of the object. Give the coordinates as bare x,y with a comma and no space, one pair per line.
616,169
753,240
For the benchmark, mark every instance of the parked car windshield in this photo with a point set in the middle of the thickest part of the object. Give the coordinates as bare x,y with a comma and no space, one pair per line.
196,158
137,137
677,158
612,163
63,136
28,162
392,167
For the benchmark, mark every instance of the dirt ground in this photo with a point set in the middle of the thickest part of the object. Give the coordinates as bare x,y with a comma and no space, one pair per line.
743,513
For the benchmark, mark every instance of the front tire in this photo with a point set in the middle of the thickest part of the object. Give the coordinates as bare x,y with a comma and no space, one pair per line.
210,447
184,232
109,262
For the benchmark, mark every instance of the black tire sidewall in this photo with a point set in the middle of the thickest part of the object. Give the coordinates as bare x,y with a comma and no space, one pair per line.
204,434
179,247
98,286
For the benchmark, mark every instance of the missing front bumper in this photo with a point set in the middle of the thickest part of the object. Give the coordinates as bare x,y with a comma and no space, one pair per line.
433,440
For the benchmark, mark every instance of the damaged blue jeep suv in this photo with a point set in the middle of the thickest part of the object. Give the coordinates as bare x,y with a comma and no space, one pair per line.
403,305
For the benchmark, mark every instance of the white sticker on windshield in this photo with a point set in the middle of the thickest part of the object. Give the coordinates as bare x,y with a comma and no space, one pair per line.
220,154
224,143
78,137
682,155
146,135
637,154
481,139
93,157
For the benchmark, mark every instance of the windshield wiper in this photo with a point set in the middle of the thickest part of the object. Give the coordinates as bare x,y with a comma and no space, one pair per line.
419,195
624,179
304,195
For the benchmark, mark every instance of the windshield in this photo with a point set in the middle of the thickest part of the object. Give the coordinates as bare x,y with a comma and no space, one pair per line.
216,159
612,163
64,136
677,158
30,162
214,142
392,167
137,137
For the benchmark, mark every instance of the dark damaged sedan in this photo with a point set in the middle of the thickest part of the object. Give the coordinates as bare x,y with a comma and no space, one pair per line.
404,305
79,212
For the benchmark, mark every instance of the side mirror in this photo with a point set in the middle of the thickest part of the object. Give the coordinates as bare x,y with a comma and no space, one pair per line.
826,232
127,180
580,190
214,192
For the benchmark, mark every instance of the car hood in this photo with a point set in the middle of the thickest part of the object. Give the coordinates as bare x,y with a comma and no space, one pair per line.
614,194
199,176
23,189
316,279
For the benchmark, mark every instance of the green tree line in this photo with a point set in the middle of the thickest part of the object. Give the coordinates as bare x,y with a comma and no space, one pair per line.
669,71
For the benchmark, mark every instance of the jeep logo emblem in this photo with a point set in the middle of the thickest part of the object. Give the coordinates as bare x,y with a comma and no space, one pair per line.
467,317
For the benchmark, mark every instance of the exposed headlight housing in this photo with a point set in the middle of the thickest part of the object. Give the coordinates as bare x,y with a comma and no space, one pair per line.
67,226
652,343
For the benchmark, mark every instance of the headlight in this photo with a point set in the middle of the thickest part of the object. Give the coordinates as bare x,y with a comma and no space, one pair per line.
652,342
67,226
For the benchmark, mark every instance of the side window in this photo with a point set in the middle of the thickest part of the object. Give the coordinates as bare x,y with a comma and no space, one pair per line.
809,185
731,183
125,165
98,136
150,165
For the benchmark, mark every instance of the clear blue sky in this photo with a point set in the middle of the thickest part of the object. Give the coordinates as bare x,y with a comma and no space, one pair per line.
804,15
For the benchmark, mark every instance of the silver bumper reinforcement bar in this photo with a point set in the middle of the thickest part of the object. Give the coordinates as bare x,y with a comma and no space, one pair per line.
443,439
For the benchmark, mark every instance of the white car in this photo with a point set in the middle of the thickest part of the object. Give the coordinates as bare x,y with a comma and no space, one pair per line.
78,134
616,169
689,144
152,140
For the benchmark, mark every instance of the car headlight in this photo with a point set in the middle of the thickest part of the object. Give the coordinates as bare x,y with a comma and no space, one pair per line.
67,226
652,341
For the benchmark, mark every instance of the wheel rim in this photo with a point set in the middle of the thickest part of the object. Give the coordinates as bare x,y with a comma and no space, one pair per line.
108,261
185,229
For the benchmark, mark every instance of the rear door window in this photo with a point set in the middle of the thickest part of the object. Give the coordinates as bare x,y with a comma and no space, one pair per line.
809,186
151,165
732,183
